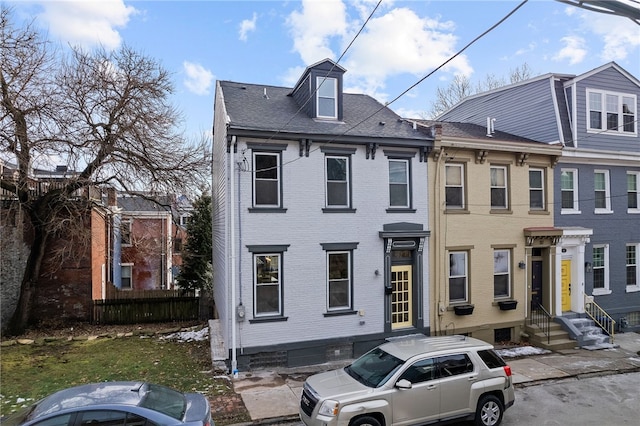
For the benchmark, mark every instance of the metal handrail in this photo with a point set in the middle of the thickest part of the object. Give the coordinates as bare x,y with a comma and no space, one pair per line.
540,317
600,316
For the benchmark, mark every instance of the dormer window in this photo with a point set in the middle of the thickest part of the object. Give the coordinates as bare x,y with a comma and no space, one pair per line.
610,112
327,97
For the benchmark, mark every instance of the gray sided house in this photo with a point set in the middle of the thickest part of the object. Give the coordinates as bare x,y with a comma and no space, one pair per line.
320,221
597,181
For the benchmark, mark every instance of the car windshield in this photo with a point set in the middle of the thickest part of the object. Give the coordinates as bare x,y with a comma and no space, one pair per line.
374,368
164,400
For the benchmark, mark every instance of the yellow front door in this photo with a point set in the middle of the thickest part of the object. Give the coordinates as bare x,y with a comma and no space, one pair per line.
401,297
566,285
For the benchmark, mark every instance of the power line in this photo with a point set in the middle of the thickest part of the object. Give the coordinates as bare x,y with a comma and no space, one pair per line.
458,53
312,95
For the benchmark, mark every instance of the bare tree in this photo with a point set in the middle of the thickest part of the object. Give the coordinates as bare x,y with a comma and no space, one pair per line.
461,87
106,115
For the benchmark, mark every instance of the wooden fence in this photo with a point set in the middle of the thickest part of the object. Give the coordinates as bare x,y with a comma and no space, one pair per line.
142,306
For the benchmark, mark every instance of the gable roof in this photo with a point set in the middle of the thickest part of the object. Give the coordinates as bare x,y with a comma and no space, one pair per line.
602,68
268,111
530,106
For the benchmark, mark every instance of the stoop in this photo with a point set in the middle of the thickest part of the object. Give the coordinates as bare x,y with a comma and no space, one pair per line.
559,339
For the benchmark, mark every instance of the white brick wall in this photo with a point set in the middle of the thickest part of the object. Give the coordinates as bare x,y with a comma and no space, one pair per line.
304,227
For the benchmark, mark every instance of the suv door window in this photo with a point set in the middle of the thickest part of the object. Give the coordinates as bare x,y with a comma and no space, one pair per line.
453,365
456,373
421,371
421,403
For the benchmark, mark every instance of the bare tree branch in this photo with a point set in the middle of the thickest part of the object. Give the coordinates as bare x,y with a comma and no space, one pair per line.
107,116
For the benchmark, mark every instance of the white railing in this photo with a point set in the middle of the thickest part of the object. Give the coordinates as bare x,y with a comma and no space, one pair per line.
599,316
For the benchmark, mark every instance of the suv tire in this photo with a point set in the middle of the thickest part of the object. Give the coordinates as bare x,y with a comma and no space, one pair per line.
489,411
365,421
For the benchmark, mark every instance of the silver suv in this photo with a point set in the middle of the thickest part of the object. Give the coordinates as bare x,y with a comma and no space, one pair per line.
412,380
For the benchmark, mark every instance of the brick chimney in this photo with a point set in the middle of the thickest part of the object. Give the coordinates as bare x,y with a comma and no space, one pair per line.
112,199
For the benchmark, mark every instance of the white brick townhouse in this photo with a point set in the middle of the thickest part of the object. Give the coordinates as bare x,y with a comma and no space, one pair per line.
320,221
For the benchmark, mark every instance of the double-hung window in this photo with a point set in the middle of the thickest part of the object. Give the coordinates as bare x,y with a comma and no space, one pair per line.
611,112
327,97
501,273
454,186
268,284
400,191
536,189
569,190
267,176
337,168
633,272
458,278
602,193
633,192
339,257
601,269
267,280
266,188
338,280
399,194
499,189
337,181
126,276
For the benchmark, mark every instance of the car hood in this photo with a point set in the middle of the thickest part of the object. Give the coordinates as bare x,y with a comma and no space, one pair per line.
335,383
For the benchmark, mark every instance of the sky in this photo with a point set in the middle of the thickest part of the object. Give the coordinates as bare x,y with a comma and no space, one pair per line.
401,43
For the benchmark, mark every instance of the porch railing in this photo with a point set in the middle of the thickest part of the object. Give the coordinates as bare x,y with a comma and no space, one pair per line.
540,317
599,316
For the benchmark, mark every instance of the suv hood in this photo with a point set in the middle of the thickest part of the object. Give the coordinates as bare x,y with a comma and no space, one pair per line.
335,383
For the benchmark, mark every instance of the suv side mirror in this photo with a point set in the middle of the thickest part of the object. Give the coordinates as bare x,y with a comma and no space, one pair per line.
403,384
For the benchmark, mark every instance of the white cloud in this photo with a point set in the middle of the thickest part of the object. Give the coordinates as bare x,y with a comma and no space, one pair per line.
619,35
573,51
248,25
402,42
394,42
313,27
198,78
87,23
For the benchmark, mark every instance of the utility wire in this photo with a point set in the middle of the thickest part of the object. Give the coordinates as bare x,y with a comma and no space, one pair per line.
494,26
312,95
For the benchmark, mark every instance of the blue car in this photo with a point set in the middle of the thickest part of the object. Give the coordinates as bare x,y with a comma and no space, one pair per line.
116,403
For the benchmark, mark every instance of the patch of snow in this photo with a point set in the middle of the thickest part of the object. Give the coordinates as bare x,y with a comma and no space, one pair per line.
189,336
521,351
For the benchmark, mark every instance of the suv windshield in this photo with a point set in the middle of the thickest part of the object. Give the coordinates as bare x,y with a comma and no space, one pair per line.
374,368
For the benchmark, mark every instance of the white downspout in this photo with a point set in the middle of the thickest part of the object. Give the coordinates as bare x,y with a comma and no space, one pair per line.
232,225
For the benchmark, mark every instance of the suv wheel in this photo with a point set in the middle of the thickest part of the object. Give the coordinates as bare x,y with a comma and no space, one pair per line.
365,421
489,411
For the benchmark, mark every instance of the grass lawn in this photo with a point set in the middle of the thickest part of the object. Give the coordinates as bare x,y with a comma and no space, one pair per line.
30,372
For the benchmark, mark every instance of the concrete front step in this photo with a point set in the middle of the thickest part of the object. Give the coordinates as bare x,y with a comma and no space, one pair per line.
558,338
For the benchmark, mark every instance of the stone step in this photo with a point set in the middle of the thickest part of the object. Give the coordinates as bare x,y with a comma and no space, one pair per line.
558,338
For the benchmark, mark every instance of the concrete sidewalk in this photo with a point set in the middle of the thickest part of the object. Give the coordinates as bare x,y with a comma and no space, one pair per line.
274,395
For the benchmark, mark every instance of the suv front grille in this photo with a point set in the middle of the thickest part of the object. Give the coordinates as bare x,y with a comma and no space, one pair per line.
307,402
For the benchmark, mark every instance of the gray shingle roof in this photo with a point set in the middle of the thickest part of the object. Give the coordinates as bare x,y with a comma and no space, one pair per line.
250,110
474,131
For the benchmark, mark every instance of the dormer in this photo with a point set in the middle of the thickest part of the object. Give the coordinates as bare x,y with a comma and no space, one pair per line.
319,91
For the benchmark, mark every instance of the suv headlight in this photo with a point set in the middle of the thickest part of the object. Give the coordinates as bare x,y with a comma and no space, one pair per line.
329,408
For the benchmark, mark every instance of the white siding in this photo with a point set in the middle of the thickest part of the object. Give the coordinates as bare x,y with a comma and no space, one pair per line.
219,207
